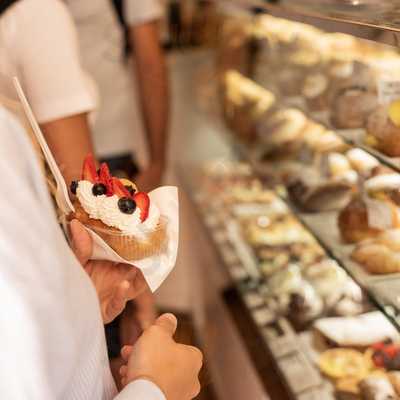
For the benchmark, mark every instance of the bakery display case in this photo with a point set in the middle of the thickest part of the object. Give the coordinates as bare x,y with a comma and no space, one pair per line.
303,203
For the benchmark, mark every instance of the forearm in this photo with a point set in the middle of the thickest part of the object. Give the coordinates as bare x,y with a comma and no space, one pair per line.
69,140
151,74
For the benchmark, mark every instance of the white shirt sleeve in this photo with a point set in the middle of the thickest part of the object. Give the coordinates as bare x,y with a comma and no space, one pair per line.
141,390
46,50
138,12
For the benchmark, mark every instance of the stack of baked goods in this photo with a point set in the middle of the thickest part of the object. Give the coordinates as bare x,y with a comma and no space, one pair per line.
381,254
373,210
244,103
330,183
383,129
364,362
354,98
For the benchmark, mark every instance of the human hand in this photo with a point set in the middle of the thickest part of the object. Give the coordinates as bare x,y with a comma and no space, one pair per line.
115,283
150,178
173,367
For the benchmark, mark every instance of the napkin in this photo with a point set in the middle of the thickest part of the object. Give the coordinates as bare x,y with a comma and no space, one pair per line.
155,269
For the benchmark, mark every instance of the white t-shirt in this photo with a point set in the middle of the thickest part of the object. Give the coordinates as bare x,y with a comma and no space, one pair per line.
38,43
51,333
119,125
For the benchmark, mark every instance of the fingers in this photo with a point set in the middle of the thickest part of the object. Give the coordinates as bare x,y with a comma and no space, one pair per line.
82,244
117,303
168,323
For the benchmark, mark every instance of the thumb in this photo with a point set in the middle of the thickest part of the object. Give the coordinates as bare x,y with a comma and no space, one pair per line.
168,323
82,244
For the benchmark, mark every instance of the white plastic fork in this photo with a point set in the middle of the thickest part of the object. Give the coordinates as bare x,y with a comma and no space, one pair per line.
62,195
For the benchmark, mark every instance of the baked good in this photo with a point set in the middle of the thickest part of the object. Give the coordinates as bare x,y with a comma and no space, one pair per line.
315,92
328,185
380,255
344,363
377,388
125,218
394,377
362,162
304,305
368,214
352,107
384,125
281,133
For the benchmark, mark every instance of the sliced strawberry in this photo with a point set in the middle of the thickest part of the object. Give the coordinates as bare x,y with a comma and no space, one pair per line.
106,178
89,169
143,203
119,189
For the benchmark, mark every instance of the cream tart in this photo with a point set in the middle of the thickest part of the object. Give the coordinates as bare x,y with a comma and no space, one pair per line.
122,216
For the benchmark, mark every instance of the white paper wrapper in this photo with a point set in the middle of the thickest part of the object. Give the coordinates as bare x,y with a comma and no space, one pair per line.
155,269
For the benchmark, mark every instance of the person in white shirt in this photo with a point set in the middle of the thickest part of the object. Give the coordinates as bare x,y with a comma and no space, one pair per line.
53,309
132,121
39,44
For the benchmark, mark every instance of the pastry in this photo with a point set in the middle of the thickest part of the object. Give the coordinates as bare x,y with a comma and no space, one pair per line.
358,331
380,255
384,126
325,187
386,355
361,161
344,363
352,107
394,377
304,305
369,214
122,216
314,91
377,388
281,133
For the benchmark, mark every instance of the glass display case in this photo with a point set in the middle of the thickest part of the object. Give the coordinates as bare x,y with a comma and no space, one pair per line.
296,178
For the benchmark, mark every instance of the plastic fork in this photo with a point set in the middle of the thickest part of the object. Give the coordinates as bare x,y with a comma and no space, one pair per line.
61,195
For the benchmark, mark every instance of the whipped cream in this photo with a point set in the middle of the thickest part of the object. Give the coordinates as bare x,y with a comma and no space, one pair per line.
105,208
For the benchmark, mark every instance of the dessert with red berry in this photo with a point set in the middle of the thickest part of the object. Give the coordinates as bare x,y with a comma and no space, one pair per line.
118,212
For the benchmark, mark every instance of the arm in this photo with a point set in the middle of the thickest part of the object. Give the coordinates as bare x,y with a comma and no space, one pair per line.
151,72
69,140
60,92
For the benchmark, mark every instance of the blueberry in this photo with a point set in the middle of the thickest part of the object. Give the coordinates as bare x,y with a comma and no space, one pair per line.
73,187
130,189
99,189
126,205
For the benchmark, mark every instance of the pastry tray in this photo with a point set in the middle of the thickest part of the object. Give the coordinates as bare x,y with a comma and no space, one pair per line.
292,352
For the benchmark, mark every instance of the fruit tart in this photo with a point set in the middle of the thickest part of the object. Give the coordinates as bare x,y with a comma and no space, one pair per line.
125,218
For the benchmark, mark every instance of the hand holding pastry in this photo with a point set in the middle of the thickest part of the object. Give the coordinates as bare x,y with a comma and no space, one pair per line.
115,283
173,367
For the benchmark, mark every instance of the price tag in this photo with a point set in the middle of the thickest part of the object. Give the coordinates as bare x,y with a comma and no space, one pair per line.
389,91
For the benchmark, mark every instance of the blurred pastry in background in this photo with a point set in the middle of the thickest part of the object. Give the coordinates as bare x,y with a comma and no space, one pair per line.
327,185
377,388
304,305
370,213
315,92
352,106
380,255
362,162
244,103
281,133
384,126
